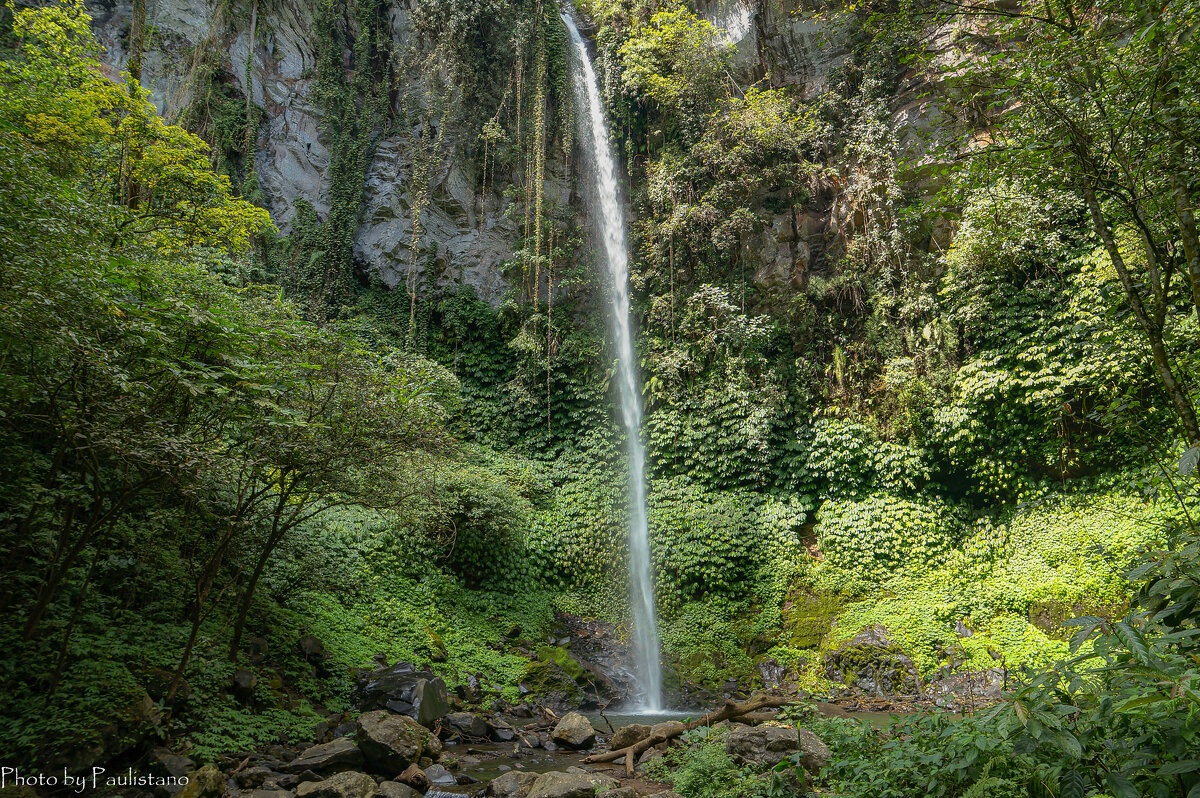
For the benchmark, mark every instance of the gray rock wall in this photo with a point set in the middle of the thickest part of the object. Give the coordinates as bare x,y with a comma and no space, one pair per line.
470,234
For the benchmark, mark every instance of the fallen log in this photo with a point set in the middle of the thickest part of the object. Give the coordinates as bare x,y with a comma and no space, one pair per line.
732,709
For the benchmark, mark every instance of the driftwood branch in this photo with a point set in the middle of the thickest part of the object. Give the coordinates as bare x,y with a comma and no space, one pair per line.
732,709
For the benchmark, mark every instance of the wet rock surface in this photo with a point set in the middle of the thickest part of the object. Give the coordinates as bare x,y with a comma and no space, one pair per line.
404,689
574,731
761,745
871,663
391,742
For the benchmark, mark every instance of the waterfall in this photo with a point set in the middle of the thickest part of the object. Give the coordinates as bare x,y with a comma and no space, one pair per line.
612,232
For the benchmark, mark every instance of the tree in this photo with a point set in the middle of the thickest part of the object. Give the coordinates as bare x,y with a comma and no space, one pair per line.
1095,98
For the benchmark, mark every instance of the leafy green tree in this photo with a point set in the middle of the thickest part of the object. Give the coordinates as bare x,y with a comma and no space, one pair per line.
1092,98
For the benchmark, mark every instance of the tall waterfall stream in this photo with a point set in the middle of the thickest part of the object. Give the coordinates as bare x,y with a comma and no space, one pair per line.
612,232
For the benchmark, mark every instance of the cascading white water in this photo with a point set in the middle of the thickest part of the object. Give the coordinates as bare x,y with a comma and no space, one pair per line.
612,232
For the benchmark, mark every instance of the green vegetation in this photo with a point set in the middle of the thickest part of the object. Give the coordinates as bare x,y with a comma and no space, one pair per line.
944,385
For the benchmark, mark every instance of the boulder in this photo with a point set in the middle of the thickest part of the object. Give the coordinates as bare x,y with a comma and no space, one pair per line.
439,777
570,785
207,781
814,754
242,685
761,745
574,731
971,688
667,729
620,792
552,686
501,732
391,742
468,724
403,689
628,735
263,792
348,784
394,789
872,663
414,777
254,777
514,784
339,754
172,764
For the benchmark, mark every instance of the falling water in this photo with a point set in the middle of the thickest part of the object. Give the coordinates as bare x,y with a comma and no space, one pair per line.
612,232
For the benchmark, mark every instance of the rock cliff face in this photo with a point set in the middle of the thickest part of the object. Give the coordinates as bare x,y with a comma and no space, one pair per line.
466,233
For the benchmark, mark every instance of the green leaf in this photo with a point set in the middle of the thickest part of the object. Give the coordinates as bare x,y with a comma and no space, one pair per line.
1120,786
1182,766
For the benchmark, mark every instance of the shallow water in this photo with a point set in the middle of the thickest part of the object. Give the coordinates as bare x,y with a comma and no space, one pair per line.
622,718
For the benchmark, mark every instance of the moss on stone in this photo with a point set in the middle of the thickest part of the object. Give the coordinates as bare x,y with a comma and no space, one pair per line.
563,659
808,617
548,680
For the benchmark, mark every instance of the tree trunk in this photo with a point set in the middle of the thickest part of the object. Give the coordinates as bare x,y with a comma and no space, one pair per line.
203,588
137,39
1162,360
732,709
1191,241
239,625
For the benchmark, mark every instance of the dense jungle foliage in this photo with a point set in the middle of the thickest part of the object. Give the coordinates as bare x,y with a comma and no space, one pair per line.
938,379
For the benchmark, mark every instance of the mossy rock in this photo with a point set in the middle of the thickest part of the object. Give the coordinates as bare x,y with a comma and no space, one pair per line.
1048,616
808,617
550,684
436,645
563,659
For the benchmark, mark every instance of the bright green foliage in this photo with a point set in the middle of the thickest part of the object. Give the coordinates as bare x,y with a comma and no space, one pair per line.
702,769
714,409
882,534
1014,584
154,179
1121,718
1051,352
678,60
843,459
705,543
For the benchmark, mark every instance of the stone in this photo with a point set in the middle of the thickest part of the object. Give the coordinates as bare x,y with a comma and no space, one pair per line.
394,789
313,649
468,724
648,754
438,776
348,784
628,735
574,731
414,777
501,732
772,674
514,784
551,685
814,754
172,764
972,688
207,781
667,729
570,785
339,754
253,777
403,689
391,742
871,663
620,792
261,792
761,745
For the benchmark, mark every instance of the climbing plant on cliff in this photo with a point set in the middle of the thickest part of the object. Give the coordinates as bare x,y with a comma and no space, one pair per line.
352,80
